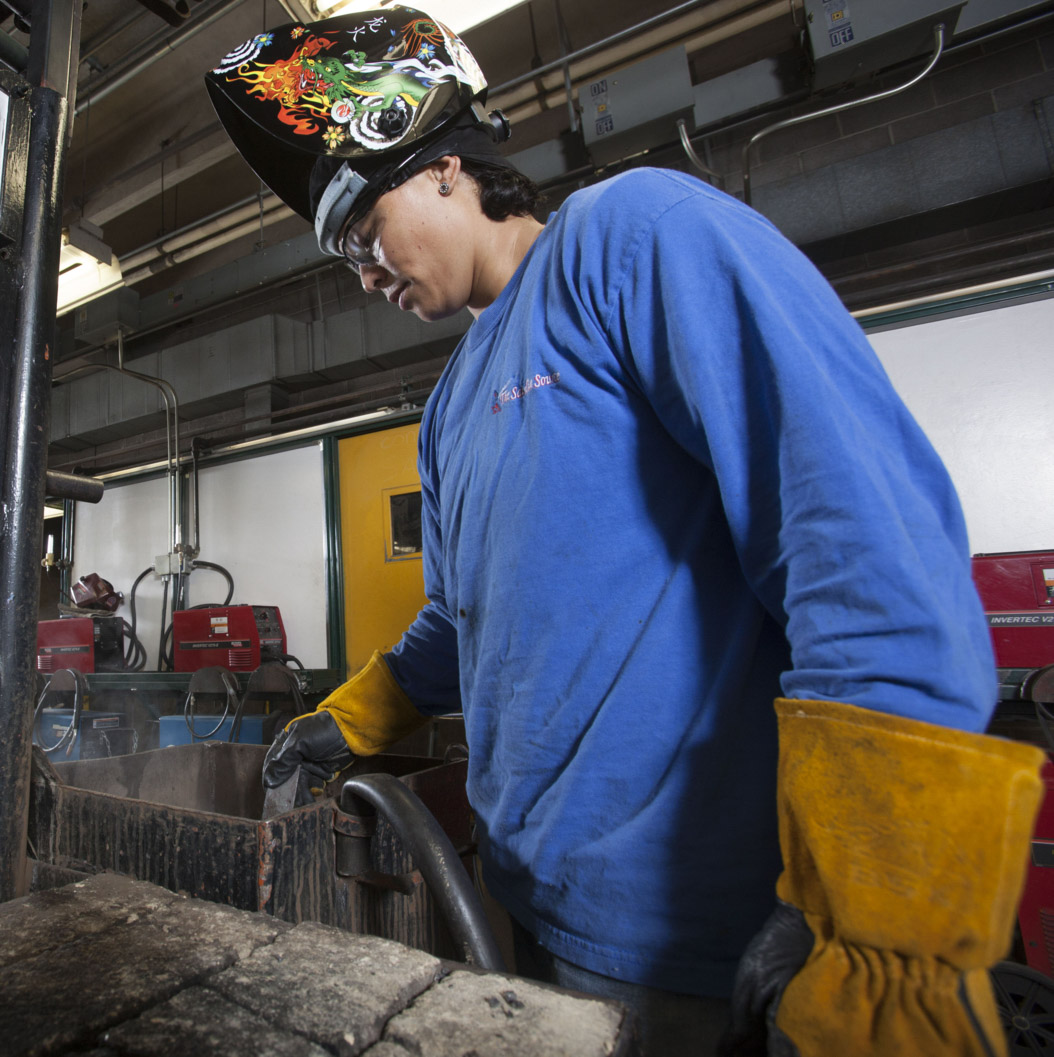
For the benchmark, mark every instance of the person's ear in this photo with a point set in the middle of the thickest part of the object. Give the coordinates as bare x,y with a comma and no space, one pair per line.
445,172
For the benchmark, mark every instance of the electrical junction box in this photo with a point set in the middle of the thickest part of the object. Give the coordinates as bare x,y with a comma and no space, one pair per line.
636,108
239,638
850,39
103,318
1017,592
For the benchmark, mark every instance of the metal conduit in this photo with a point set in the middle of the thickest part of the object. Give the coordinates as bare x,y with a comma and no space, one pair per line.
171,413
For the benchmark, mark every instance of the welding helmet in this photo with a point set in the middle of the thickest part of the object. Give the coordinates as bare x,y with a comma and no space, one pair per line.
332,114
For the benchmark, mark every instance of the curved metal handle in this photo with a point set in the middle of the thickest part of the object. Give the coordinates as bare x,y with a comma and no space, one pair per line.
437,860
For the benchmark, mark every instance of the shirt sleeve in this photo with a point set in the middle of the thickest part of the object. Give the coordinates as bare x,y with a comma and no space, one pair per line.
844,520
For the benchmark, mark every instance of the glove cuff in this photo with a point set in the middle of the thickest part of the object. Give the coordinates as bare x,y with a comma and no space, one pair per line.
908,836
371,710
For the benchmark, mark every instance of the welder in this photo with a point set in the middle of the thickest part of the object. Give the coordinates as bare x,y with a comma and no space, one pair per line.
715,501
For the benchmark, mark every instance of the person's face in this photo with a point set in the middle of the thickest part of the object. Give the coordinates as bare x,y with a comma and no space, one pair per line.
408,248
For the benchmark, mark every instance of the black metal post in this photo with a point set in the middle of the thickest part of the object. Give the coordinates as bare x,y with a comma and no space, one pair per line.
26,354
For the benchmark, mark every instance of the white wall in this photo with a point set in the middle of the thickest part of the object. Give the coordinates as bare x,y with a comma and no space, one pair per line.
262,519
980,385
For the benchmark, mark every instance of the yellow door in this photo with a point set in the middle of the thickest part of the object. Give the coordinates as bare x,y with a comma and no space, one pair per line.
380,519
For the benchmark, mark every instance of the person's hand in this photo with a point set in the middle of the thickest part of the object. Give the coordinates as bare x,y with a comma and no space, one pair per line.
313,742
774,956
904,852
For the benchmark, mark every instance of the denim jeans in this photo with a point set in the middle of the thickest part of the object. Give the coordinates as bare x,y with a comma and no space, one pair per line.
669,1024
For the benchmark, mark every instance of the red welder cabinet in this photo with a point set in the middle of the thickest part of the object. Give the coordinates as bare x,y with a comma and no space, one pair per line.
67,643
240,638
1036,911
1017,592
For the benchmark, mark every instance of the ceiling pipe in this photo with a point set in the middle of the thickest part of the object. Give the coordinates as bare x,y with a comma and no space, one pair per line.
649,35
186,253
14,54
122,73
694,32
246,209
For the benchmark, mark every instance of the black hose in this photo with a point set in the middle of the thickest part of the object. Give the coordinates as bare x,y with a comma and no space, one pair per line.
231,688
134,654
437,860
164,630
131,606
219,569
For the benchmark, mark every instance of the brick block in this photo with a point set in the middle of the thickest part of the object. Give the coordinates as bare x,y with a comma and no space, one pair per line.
942,117
915,100
877,187
200,1022
1024,91
52,919
334,987
120,971
805,209
846,148
1022,146
995,70
957,163
501,1017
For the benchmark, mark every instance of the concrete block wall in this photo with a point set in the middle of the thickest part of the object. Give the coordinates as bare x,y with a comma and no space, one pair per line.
979,81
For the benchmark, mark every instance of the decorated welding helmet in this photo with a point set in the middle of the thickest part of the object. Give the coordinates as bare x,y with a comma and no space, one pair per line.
368,89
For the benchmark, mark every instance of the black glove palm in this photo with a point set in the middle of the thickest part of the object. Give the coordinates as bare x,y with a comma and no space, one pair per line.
313,742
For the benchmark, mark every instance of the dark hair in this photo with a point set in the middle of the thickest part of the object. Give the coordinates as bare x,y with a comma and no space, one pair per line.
503,193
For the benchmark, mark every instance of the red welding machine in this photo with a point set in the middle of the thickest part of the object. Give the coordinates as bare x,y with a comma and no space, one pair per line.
1017,591
240,638
88,644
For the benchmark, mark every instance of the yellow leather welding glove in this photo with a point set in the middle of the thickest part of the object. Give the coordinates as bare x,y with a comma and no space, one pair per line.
360,718
904,847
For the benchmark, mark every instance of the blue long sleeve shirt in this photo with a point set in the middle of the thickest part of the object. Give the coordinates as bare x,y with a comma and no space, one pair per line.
665,479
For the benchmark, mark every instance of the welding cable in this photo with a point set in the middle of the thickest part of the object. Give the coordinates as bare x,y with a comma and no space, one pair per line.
285,658
80,688
252,686
229,684
435,856
135,655
131,605
223,572
161,641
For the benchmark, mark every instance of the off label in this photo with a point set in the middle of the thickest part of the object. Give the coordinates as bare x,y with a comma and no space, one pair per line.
839,28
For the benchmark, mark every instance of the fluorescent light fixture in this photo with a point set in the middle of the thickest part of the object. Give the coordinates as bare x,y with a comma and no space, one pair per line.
88,268
459,15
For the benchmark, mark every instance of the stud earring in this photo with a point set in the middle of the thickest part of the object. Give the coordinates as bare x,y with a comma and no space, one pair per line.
444,188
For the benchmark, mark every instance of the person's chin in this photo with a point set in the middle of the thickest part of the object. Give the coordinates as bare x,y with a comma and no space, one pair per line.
432,313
